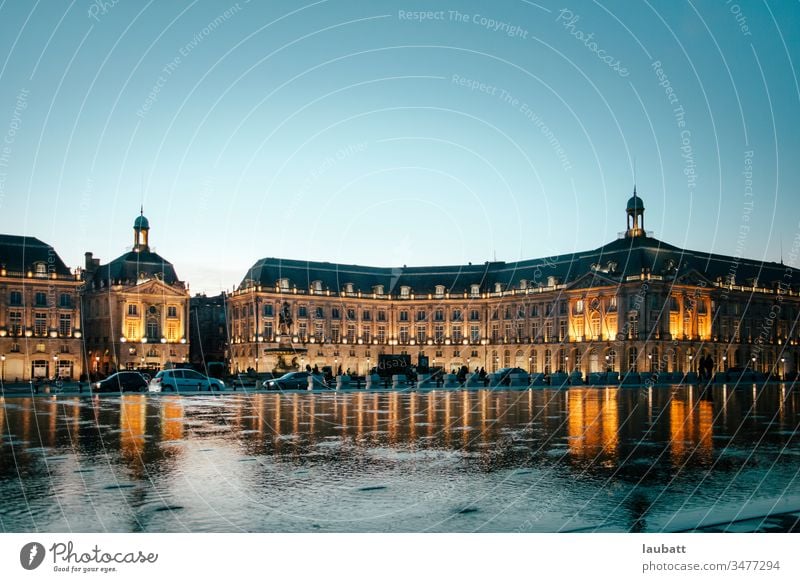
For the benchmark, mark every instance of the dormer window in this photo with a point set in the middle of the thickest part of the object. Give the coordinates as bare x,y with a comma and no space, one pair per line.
440,291
405,291
40,270
523,284
552,281
283,284
317,286
348,287
378,289
498,287
474,290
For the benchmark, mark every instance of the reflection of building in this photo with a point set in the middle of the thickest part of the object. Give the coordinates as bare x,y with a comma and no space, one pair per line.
208,340
135,309
635,303
40,325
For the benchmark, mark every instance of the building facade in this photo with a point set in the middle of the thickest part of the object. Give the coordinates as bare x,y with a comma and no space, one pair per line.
40,323
135,310
636,304
208,330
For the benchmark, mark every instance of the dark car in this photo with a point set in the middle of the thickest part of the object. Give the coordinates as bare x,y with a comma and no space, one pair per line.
504,375
295,381
121,382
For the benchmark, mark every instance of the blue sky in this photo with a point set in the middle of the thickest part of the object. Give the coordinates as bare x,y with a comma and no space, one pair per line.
366,132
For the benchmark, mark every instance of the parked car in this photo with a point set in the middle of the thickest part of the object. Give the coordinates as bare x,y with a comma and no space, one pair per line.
183,380
295,381
505,375
121,382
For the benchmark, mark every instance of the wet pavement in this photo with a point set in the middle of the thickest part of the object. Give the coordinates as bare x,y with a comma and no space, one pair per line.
530,460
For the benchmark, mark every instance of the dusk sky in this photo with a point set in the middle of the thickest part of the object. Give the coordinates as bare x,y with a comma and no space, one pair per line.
371,133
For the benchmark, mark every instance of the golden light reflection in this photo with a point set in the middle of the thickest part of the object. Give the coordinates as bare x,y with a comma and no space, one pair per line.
593,422
691,428
132,413
171,419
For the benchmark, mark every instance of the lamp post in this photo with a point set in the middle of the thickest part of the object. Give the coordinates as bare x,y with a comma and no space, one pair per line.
783,368
530,364
256,364
650,358
2,369
55,365
97,365
608,363
566,364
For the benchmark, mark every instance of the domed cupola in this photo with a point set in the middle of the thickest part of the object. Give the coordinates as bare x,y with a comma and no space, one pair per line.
141,233
635,215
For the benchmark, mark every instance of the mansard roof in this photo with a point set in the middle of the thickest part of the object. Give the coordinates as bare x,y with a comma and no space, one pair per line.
132,266
19,254
614,261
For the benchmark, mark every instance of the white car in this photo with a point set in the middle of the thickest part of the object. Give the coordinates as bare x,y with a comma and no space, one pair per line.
184,380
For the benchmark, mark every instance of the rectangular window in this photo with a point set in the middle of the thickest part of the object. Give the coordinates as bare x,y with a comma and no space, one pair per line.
172,311
319,313
15,322
40,324
548,331
41,299
438,334
335,313
15,298
152,330
404,315
267,310
351,314
335,334
366,315
65,300
302,330
319,331
381,315
366,334
456,315
495,313
562,307
474,315
132,309
507,336
562,330
579,306
474,333
421,335
438,315
268,331
65,325
403,334
351,333
382,334
302,311
495,332
131,335
535,310
171,333
421,315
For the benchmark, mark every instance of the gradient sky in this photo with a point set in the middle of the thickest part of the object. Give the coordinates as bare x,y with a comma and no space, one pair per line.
351,132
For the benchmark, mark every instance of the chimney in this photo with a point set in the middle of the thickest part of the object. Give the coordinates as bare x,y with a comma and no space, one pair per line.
91,264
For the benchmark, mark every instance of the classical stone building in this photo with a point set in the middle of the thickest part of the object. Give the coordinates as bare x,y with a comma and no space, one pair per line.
635,304
40,324
135,309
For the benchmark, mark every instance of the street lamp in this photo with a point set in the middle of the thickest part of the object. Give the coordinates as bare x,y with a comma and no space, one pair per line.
530,364
256,364
783,368
55,365
650,358
2,369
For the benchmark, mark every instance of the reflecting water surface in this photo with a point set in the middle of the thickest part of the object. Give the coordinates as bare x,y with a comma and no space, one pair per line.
610,459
